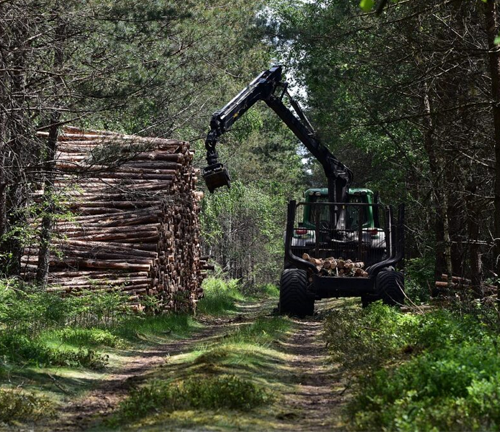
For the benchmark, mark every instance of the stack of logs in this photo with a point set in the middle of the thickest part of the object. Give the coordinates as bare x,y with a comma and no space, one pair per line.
463,285
133,224
337,266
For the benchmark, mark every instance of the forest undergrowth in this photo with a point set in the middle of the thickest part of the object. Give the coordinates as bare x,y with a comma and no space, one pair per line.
432,371
423,369
53,347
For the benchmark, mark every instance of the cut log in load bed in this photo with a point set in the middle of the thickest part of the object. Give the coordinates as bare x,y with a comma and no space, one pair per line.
132,225
337,266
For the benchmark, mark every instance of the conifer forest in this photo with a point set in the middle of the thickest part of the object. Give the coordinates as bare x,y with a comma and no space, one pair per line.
250,215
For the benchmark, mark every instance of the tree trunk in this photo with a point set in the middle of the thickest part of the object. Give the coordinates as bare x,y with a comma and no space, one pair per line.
491,24
49,163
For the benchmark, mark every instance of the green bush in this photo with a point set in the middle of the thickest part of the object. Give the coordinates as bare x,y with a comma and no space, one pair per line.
364,340
419,278
448,389
437,371
21,405
30,320
30,312
220,297
227,391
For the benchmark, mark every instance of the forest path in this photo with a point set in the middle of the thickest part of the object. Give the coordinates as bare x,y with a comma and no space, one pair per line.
315,400
310,395
81,413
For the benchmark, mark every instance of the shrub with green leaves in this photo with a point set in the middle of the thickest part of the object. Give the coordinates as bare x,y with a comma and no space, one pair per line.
419,278
30,320
363,340
25,406
435,371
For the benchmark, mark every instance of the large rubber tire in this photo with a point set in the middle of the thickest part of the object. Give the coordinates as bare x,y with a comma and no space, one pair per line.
389,286
367,300
294,298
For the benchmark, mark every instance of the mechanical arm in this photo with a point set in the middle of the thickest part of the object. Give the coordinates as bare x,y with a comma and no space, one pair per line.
270,88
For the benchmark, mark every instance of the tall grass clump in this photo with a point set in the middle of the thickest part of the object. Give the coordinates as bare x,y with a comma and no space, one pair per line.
262,331
226,391
138,326
220,296
31,320
434,371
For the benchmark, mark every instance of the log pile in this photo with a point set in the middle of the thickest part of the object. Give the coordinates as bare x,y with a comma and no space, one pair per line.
337,266
460,284
133,224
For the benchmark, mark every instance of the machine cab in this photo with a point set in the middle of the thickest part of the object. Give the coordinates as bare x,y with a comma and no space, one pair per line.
354,195
343,234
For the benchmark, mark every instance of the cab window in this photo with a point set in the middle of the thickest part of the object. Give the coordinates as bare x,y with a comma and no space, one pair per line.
353,212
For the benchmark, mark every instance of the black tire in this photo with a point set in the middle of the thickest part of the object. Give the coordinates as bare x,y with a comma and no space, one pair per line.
389,286
367,300
294,298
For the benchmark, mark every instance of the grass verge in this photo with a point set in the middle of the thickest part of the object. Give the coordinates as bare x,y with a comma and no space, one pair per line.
52,348
220,297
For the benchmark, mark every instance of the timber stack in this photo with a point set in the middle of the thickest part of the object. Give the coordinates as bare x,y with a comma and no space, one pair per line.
132,223
460,285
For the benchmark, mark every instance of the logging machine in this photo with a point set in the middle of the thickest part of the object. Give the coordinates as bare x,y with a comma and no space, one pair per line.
348,224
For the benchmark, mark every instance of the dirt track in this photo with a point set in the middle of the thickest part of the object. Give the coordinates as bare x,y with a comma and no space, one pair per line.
311,401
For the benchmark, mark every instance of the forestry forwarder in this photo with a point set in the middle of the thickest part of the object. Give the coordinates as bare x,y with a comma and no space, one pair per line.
335,222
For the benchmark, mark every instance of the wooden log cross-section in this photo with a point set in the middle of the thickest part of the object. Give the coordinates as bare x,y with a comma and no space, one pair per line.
134,219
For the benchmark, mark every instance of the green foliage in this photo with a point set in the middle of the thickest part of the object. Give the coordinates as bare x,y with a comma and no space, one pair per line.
366,5
30,311
437,371
34,326
163,59
44,329
220,297
268,290
363,341
20,405
137,327
92,337
20,348
226,391
244,226
419,278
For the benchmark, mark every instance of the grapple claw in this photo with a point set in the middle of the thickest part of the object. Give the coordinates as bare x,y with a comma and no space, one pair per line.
216,176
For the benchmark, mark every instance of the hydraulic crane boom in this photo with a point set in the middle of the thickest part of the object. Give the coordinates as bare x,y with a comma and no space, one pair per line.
265,87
